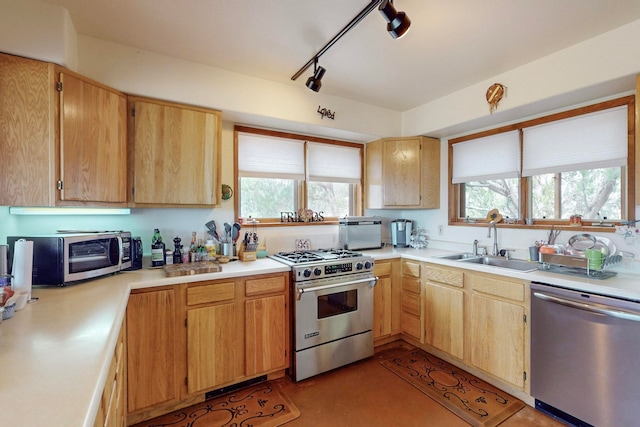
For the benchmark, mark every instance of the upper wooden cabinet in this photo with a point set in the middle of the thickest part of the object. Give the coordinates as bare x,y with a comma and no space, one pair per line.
175,153
62,137
93,142
403,173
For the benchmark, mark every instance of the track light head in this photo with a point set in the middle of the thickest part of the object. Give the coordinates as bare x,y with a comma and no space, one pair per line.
398,23
314,82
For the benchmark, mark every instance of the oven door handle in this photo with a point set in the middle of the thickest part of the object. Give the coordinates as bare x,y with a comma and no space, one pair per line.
589,307
336,285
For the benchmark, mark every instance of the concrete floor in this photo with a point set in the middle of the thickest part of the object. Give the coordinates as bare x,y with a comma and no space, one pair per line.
367,394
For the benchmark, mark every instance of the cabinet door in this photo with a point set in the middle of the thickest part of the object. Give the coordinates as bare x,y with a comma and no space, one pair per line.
176,154
402,171
93,142
266,334
497,338
444,319
152,355
27,132
382,296
211,346
373,175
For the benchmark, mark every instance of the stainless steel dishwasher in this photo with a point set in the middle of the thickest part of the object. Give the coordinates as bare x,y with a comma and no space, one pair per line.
585,356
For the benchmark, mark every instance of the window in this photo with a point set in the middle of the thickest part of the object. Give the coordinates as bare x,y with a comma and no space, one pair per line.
279,174
488,169
552,168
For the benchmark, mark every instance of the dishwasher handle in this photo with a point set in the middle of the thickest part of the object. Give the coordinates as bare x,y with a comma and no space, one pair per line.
626,315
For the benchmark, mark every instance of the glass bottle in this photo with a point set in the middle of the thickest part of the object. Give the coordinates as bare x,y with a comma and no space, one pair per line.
192,247
157,249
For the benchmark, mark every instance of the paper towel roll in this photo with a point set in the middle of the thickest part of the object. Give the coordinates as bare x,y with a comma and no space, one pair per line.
22,266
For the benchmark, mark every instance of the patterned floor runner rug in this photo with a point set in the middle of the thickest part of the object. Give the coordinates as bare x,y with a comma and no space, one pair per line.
472,399
261,405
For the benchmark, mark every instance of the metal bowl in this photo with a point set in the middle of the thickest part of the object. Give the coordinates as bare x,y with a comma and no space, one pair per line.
580,242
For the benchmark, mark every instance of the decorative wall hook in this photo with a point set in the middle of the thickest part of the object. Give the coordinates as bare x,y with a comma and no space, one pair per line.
494,94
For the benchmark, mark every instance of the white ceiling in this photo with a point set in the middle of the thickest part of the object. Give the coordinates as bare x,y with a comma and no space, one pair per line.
452,44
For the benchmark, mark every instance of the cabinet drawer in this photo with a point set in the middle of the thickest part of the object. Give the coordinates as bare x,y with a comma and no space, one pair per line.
497,287
448,277
382,268
268,285
411,285
410,268
411,326
411,303
210,293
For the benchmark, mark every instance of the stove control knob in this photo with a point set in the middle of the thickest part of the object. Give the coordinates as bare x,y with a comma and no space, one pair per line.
307,272
367,265
317,271
359,266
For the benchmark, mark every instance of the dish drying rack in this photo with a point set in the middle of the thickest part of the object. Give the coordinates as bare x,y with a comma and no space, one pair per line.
578,266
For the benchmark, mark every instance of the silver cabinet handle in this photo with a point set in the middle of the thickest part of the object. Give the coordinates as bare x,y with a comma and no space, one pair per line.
336,285
588,307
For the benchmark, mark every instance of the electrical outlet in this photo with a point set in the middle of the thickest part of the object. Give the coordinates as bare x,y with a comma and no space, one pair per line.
303,244
440,230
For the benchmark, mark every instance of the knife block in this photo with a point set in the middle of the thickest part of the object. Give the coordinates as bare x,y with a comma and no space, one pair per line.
246,254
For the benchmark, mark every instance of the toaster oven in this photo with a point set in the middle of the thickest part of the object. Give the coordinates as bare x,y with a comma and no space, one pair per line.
360,232
61,259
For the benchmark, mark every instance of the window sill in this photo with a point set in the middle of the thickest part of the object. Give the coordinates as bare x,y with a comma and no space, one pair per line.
289,224
542,226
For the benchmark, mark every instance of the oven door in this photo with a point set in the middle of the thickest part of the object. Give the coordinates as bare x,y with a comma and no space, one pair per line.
332,309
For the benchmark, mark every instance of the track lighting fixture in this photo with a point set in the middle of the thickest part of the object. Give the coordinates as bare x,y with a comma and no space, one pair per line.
398,24
314,82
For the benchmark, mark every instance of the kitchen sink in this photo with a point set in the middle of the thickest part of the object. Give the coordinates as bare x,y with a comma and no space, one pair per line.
494,261
460,256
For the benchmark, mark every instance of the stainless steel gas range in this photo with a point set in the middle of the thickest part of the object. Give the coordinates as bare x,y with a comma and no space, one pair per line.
333,308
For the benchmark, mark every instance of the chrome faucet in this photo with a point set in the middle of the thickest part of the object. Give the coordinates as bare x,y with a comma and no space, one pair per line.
495,237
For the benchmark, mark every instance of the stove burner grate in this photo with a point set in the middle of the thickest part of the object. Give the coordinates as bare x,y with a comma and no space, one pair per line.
299,257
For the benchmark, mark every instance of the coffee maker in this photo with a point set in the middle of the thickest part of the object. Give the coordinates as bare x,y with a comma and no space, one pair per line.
401,232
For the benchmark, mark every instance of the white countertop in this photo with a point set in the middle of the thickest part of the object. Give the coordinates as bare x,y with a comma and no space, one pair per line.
55,353
623,285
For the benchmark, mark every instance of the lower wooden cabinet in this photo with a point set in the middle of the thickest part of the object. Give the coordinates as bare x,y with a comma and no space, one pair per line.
444,310
112,411
152,354
193,338
498,327
411,316
475,320
211,348
265,334
386,300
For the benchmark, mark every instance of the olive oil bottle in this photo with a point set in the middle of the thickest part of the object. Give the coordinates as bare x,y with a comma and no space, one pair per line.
157,249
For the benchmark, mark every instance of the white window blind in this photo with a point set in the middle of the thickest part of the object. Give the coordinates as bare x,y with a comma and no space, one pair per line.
492,157
591,141
333,163
264,156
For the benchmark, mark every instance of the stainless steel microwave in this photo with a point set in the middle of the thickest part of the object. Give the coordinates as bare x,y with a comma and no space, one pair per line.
61,259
